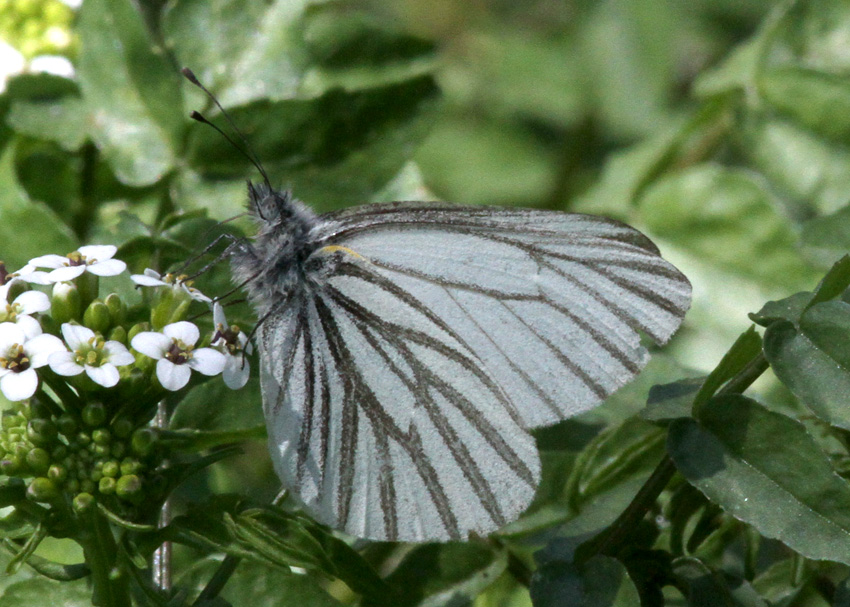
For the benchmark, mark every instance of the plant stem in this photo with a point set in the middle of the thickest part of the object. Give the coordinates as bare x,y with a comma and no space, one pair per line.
162,555
218,580
109,584
663,473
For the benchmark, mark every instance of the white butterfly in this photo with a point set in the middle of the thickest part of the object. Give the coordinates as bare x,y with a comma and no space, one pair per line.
407,348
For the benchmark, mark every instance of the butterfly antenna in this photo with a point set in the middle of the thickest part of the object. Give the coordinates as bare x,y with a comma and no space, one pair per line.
245,148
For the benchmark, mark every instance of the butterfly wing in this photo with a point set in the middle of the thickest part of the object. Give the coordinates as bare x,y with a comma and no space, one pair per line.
398,390
552,303
382,422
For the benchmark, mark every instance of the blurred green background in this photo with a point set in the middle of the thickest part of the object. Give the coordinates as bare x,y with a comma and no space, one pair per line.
719,127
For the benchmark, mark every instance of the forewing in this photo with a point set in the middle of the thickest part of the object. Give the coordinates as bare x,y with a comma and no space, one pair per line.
383,422
552,303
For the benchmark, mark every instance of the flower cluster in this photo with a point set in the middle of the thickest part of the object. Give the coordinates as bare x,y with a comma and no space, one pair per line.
85,373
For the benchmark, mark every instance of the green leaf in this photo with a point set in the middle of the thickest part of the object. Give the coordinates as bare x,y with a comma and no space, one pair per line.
817,100
41,592
442,575
813,360
764,469
336,149
828,237
667,402
194,411
834,284
727,218
51,112
707,587
745,348
132,93
259,585
27,228
242,51
601,582
788,309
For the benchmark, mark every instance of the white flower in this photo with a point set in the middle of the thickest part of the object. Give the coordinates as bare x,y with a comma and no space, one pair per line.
20,356
152,278
176,355
233,343
18,312
96,259
97,358
26,274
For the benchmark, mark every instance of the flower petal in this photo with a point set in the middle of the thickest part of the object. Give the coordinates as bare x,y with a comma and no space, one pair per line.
117,354
40,347
98,252
76,335
171,376
37,278
19,386
65,274
10,334
32,302
29,326
62,363
151,343
236,374
218,316
184,331
110,267
105,375
146,281
196,294
48,261
207,361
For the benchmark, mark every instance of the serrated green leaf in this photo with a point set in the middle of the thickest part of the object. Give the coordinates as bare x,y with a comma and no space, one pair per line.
764,469
601,582
811,360
132,94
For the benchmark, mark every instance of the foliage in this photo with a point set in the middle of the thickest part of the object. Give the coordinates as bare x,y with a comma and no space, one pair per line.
721,128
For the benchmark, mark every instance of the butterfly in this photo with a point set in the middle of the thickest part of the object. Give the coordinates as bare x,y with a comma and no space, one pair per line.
408,348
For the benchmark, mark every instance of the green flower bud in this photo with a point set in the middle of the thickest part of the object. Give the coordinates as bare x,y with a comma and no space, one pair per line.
82,502
170,305
106,485
42,489
65,304
38,460
122,427
136,329
97,317
57,473
72,485
87,485
10,464
128,487
41,431
117,308
37,409
143,441
66,424
130,465
94,414
111,468
118,449
88,284
119,334
83,438
99,450
59,452
95,476
101,436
